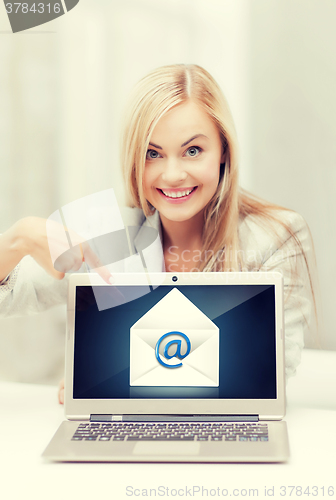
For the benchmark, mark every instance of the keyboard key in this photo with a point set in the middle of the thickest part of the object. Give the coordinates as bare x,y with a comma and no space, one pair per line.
144,438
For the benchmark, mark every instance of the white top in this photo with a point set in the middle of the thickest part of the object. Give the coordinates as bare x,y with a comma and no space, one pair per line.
29,289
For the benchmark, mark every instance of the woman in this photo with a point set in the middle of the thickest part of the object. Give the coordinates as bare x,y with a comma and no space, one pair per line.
179,157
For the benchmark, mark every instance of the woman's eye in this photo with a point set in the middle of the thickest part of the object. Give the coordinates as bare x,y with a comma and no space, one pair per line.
152,154
193,151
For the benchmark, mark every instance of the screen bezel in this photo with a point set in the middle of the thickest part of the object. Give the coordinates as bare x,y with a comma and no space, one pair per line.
81,409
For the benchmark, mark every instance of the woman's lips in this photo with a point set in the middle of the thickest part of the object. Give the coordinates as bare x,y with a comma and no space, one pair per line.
179,199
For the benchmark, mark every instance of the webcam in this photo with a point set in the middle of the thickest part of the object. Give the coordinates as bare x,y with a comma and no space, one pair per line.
174,278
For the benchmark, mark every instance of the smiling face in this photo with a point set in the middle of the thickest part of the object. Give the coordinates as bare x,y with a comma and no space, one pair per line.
183,162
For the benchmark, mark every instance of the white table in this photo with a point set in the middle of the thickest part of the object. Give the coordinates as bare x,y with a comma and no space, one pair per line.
30,415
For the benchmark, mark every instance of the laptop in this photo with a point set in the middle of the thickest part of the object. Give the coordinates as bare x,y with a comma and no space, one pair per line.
167,367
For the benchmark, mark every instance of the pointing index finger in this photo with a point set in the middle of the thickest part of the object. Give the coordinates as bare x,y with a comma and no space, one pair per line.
92,260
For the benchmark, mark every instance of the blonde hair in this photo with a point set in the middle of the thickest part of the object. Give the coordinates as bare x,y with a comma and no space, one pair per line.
154,96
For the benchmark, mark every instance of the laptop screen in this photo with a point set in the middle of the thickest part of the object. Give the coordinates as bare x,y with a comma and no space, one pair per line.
184,341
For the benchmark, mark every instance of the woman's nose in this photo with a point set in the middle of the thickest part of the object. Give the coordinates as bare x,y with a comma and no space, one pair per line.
174,172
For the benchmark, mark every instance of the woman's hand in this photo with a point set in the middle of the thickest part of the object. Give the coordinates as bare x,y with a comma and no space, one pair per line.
61,392
48,244
33,238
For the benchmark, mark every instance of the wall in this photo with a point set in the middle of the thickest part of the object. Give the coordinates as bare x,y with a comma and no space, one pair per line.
292,109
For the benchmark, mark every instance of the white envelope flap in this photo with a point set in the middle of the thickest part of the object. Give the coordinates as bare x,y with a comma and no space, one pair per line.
175,309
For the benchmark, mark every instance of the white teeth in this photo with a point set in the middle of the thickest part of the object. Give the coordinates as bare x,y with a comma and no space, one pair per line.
176,194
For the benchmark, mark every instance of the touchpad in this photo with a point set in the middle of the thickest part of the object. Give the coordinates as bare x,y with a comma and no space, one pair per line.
166,448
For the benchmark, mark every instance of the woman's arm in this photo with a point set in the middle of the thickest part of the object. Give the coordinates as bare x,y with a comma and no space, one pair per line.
33,283
11,252
291,260
25,288
269,247
28,236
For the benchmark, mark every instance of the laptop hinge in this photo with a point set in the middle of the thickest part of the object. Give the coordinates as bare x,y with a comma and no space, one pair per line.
173,418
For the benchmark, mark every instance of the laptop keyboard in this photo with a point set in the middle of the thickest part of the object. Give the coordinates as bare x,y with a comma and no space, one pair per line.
183,431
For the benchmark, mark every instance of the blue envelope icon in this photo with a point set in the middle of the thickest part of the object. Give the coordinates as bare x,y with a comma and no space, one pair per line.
174,344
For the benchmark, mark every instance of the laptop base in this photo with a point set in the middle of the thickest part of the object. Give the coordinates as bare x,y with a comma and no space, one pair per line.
63,449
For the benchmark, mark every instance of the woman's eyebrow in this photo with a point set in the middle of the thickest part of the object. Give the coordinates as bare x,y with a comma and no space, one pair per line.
192,138
154,145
